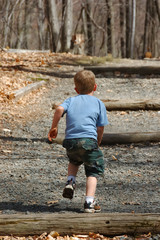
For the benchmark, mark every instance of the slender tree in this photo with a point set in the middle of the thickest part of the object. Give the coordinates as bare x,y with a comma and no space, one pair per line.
88,9
67,22
53,24
128,27
41,24
122,28
133,27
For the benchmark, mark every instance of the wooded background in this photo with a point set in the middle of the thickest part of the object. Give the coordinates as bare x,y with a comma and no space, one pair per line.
120,28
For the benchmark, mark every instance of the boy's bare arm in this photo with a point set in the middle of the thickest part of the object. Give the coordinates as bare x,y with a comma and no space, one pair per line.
100,131
54,128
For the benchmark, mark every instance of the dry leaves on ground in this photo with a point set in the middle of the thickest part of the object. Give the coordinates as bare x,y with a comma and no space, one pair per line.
91,236
20,69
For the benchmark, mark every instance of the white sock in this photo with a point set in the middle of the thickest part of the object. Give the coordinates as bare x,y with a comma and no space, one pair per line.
73,178
89,199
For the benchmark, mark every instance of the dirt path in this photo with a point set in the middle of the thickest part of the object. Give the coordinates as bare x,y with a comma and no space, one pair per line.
33,173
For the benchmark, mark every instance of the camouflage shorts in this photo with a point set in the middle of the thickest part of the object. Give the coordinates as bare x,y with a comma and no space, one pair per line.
85,150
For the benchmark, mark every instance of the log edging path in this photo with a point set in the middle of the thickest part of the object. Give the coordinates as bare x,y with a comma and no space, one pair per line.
141,70
122,138
108,224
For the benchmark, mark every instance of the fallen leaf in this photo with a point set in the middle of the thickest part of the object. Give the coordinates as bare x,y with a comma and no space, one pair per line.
114,158
6,151
123,113
52,202
54,234
49,237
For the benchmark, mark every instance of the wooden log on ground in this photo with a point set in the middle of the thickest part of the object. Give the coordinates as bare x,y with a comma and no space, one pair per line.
133,105
25,90
141,70
127,104
122,138
107,224
130,137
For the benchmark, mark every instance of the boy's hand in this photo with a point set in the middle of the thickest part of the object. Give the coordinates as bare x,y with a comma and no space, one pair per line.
52,134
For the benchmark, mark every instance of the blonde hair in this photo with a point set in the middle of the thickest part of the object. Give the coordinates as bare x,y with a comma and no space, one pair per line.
84,81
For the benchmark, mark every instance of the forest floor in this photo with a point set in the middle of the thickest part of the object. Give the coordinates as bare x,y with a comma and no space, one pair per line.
33,172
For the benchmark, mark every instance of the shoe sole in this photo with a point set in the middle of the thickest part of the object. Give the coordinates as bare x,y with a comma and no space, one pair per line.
68,192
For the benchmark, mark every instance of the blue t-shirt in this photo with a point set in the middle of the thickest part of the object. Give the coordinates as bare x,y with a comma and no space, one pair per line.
84,113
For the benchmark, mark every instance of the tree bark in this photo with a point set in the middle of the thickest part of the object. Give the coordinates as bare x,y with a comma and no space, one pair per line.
109,31
122,28
84,27
89,28
150,42
157,9
6,27
133,28
128,27
23,20
53,25
41,24
107,224
67,16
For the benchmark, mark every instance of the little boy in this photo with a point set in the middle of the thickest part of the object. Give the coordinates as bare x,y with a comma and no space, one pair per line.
85,120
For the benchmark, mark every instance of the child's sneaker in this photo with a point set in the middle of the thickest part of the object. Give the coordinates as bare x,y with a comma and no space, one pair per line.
69,189
91,207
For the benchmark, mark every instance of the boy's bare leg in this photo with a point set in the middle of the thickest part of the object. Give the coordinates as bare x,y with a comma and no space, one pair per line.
72,169
90,206
91,185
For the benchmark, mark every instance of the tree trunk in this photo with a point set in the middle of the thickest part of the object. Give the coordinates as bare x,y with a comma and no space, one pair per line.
67,16
145,29
23,20
107,224
109,32
20,26
53,25
157,9
133,28
149,42
114,54
84,27
89,28
128,27
6,26
122,28
41,25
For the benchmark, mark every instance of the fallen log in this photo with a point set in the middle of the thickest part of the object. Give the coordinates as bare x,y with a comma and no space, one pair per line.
107,224
127,104
133,105
130,137
140,70
122,138
25,90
